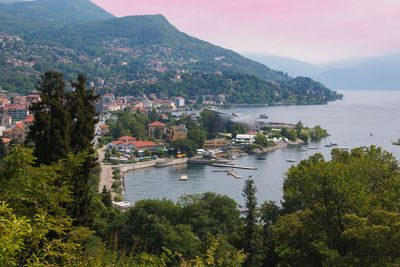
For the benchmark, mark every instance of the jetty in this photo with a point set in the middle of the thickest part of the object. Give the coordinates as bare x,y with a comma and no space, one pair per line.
234,174
234,166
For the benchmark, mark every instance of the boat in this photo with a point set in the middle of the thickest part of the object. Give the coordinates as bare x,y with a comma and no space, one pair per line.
313,147
261,158
329,145
344,148
290,160
333,144
263,116
304,149
183,178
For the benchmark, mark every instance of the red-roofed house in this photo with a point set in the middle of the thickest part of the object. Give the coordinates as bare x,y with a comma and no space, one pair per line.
127,138
155,127
17,132
131,146
104,129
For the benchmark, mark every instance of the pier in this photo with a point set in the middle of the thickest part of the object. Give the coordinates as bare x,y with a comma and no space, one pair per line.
233,166
234,174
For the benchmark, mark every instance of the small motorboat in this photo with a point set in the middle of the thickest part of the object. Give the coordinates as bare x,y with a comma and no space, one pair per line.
183,178
290,160
261,158
263,116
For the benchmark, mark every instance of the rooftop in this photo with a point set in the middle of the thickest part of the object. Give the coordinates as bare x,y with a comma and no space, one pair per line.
157,124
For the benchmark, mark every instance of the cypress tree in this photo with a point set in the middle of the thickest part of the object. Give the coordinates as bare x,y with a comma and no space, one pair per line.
252,231
82,134
51,129
3,151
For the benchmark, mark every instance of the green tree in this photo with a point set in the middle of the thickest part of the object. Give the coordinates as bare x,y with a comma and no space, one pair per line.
185,146
3,151
209,122
83,111
304,135
106,197
252,233
154,116
52,127
335,209
107,154
299,127
238,129
261,140
317,133
289,133
197,136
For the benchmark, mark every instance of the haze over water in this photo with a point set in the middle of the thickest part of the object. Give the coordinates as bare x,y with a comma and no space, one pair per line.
362,118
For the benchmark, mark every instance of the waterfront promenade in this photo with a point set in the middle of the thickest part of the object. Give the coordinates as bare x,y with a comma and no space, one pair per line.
106,176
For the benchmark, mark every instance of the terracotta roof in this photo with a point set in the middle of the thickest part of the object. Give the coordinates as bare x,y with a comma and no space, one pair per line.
140,144
137,144
30,119
6,140
157,124
127,138
19,125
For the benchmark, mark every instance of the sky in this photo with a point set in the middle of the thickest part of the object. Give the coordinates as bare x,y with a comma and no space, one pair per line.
315,31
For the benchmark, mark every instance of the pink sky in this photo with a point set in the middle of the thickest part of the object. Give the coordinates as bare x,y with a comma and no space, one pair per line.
311,30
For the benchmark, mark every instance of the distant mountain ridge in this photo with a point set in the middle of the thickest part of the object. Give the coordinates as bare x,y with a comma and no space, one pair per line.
378,73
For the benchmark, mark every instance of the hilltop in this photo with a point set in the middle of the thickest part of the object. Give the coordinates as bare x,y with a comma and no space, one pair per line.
129,54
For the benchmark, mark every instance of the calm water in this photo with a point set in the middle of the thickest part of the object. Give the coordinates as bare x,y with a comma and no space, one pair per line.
349,122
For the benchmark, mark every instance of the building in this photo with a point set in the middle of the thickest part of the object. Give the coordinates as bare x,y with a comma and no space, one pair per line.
5,120
166,104
179,101
26,126
246,138
130,146
17,112
104,129
176,132
156,126
215,143
16,132
32,98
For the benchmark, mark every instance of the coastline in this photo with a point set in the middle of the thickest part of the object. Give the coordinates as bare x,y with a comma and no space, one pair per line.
106,176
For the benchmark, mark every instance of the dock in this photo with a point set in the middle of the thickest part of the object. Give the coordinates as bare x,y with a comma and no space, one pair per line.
233,166
234,174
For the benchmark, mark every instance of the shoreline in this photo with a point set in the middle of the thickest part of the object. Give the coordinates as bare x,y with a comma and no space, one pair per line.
106,176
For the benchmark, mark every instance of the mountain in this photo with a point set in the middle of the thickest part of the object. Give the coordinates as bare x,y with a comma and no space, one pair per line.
133,55
293,67
57,12
378,73
155,30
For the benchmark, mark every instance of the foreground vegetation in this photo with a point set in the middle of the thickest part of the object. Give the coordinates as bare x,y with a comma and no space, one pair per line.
339,212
